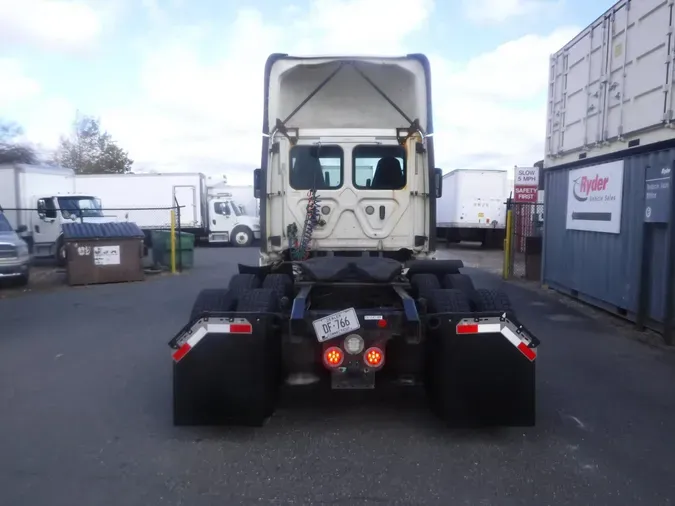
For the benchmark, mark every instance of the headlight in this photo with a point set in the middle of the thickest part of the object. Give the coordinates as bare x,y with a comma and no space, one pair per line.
22,251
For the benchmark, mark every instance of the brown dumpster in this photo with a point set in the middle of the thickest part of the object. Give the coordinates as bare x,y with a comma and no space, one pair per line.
103,252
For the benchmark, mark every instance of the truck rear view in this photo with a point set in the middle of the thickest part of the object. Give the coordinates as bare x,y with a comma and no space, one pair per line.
347,293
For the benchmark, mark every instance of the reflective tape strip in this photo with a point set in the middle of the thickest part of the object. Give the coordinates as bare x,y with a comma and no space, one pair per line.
189,344
516,341
479,328
211,328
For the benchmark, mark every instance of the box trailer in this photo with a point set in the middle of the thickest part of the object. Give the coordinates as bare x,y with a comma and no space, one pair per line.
147,200
473,206
611,87
39,199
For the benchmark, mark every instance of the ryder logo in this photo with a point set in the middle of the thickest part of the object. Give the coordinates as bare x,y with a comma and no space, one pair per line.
584,187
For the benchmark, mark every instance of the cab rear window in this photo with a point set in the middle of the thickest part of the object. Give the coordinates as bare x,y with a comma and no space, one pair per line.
379,167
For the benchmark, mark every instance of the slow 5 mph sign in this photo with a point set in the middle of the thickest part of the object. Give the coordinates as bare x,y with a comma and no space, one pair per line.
526,184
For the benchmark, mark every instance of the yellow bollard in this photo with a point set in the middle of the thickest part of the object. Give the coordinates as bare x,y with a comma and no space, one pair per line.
506,268
173,242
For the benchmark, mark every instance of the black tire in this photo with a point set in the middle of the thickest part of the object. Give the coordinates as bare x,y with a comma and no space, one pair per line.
235,379
240,283
61,256
241,236
459,282
211,299
282,284
449,300
260,300
491,300
424,284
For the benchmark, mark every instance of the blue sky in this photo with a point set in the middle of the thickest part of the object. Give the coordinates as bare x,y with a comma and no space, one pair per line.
178,82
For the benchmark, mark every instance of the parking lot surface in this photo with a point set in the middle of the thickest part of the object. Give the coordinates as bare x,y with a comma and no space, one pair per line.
85,417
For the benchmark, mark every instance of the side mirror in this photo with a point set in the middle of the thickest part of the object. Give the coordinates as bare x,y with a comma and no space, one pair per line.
326,177
22,229
257,183
438,182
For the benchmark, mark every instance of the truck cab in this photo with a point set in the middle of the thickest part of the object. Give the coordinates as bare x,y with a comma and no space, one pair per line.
358,179
51,212
229,223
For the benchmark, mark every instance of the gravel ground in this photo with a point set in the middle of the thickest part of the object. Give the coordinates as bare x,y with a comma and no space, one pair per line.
85,417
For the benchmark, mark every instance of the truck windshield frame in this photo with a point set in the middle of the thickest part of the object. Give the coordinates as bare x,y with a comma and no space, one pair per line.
375,167
305,162
73,206
235,208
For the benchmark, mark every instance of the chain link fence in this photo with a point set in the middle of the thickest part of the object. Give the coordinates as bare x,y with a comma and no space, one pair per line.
40,227
526,232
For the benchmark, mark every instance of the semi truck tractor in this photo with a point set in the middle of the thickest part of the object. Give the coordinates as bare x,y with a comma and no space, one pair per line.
347,293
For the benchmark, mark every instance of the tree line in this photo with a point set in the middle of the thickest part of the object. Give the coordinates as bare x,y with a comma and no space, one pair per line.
87,149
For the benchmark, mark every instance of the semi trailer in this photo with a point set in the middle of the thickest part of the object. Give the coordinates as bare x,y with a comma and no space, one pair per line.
147,200
473,207
347,293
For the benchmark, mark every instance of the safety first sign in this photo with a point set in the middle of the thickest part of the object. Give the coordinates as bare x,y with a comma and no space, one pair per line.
526,184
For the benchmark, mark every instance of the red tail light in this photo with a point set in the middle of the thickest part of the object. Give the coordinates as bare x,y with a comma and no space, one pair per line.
333,357
374,357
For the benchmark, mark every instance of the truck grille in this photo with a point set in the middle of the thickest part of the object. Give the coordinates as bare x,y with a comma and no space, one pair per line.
8,251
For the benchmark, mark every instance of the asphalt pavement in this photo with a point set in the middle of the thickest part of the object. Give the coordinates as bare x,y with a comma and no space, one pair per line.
85,417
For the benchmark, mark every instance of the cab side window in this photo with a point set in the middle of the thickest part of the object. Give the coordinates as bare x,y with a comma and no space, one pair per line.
222,208
46,209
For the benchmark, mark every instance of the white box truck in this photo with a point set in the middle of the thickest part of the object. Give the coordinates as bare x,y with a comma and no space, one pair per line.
473,206
147,199
611,88
241,194
38,199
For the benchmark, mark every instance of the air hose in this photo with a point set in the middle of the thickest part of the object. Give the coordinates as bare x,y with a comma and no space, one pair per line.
300,247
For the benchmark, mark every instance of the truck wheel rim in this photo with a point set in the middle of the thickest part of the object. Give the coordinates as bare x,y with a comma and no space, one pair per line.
241,237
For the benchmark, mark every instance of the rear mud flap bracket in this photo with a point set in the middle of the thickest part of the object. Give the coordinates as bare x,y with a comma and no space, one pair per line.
226,369
483,369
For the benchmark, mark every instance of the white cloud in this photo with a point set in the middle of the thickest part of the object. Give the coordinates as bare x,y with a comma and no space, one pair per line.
22,99
498,11
50,24
190,114
491,112
14,83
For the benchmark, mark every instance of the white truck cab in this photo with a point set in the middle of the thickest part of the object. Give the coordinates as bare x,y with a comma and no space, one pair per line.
38,199
52,211
229,223
348,163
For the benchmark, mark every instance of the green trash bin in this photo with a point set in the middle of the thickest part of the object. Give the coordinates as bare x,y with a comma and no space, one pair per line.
161,249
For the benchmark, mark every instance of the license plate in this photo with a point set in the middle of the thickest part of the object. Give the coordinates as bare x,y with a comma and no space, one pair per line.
336,324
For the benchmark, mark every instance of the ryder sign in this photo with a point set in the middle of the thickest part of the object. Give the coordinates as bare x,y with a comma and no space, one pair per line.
594,198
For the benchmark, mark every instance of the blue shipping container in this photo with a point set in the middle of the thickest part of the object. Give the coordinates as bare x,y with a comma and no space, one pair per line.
601,268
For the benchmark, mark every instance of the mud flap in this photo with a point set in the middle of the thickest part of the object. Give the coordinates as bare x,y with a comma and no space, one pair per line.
226,370
479,373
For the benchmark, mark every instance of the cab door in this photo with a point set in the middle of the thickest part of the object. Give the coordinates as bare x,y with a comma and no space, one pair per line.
45,222
222,218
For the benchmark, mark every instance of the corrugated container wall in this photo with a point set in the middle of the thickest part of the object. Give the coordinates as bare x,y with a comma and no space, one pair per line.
611,87
604,268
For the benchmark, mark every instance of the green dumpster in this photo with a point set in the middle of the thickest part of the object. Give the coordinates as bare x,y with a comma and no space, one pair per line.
161,249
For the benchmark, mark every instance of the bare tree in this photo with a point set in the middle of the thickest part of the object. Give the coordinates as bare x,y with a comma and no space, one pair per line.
90,151
11,150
